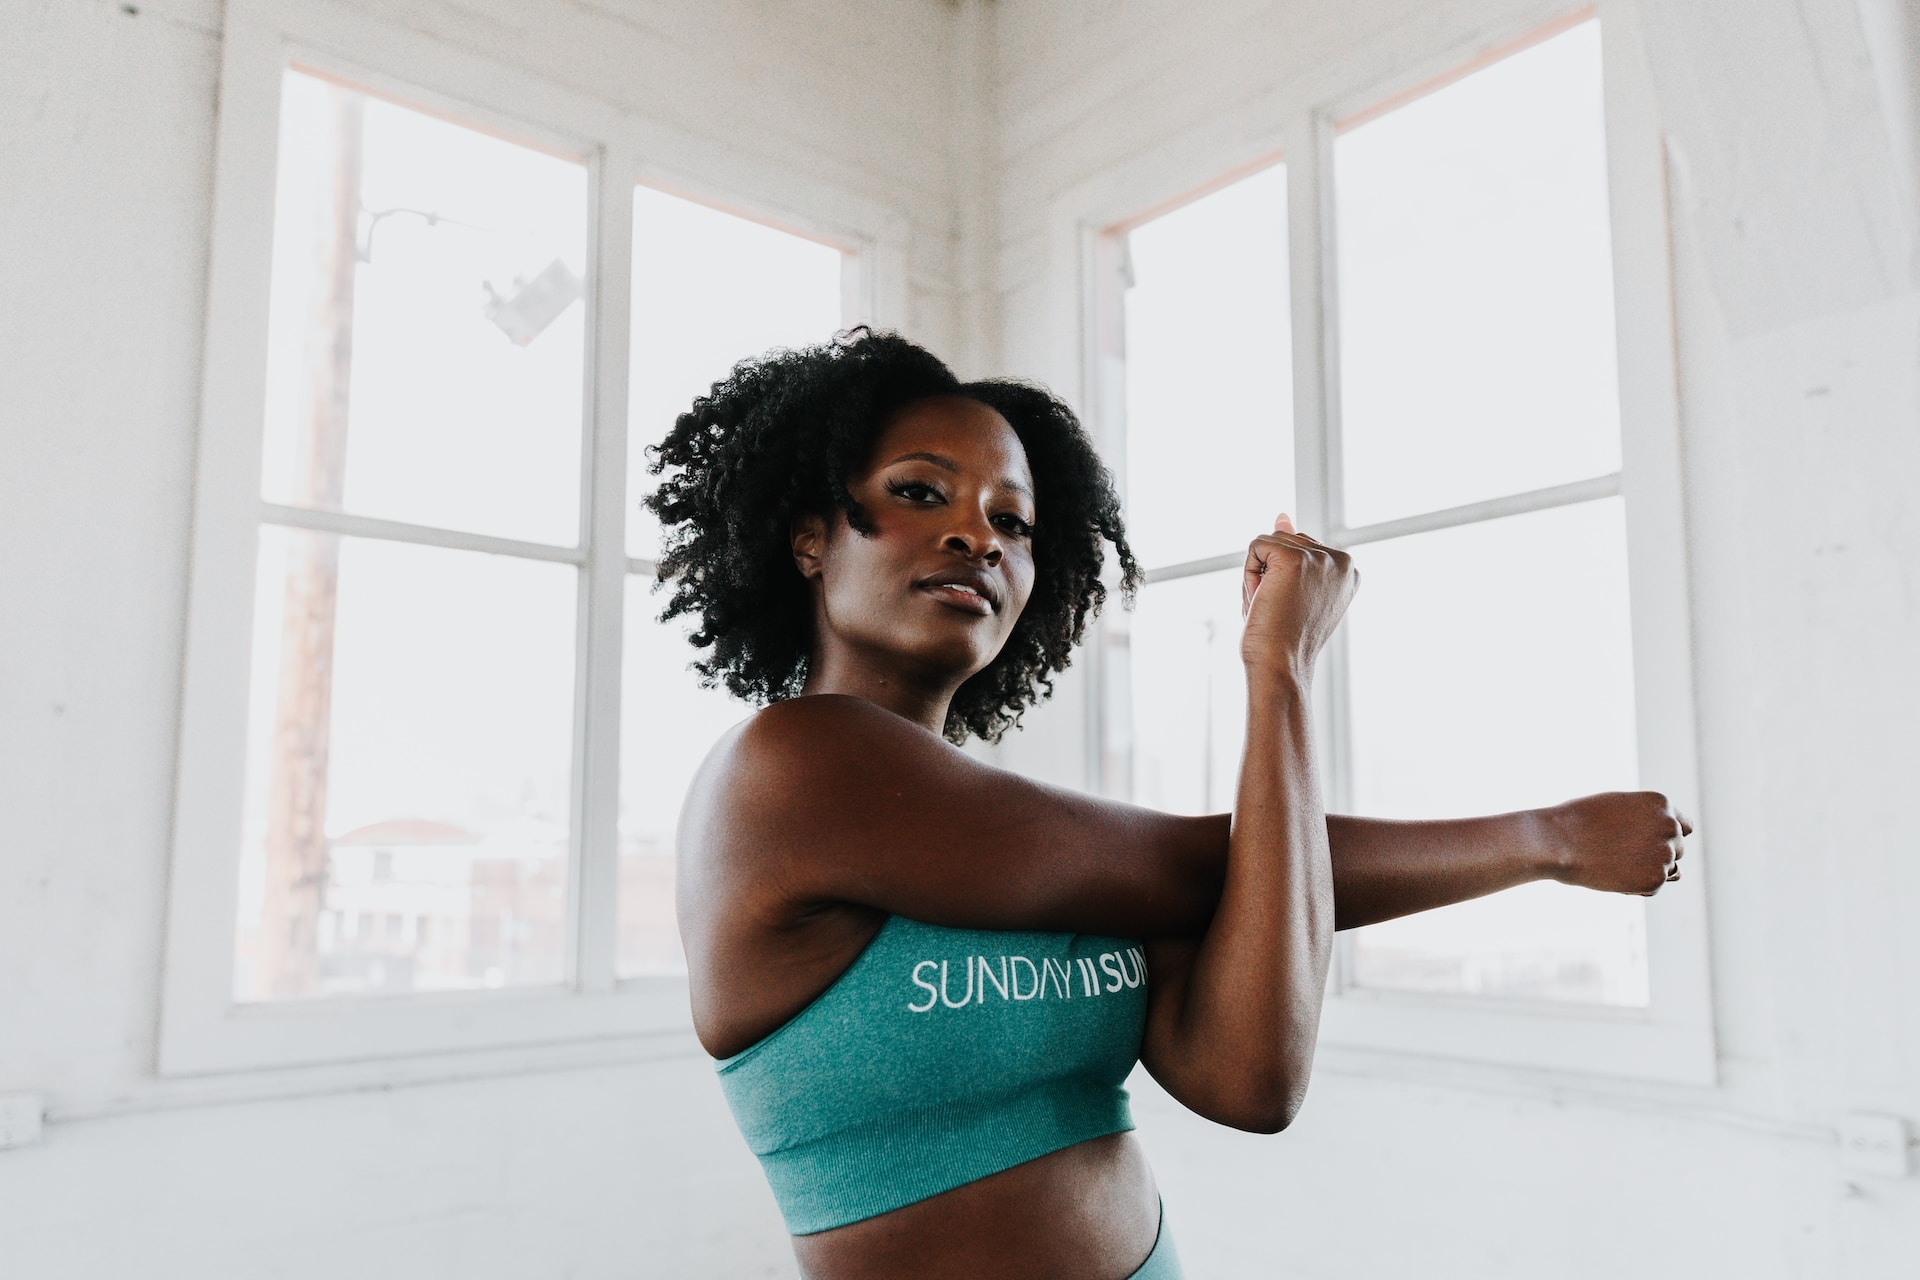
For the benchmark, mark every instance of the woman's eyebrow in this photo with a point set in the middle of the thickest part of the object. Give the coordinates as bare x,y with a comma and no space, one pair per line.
945,463
940,460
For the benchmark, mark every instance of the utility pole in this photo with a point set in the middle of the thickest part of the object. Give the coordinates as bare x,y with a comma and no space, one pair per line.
296,842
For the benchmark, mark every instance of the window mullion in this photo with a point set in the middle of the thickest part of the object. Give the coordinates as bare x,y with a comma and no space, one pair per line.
1316,435
595,905
1190,568
1316,413
1316,381
1109,768
1510,504
353,525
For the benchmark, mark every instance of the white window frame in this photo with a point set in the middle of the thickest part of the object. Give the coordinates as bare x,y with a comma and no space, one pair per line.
1672,1039
202,1028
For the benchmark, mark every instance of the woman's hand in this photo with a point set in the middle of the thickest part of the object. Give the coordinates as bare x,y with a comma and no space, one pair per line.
1618,841
1293,593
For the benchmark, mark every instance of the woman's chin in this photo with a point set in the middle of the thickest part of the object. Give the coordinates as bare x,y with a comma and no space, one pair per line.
956,655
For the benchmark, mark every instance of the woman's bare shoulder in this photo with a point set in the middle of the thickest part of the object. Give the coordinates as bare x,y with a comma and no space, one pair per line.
795,755
744,824
775,774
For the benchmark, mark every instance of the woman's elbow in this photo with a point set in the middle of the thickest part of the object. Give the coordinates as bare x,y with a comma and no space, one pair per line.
1265,1105
1268,1117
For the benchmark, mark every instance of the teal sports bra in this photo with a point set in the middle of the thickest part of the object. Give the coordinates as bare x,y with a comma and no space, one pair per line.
940,1056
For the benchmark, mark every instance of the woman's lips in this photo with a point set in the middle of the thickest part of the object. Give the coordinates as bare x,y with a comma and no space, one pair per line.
959,597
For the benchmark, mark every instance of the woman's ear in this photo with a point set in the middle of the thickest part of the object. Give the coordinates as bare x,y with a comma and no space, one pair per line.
809,537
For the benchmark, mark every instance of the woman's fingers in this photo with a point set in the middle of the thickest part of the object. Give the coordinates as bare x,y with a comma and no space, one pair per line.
1261,552
1283,535
1677,842
1623,841
1293,592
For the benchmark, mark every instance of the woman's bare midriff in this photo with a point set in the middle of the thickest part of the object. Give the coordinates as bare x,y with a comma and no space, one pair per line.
1086,1212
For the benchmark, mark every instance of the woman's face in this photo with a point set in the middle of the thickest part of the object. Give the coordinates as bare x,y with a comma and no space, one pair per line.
935,588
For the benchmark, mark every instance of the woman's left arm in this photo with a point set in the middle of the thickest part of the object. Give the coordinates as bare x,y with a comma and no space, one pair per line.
1616,842
1232,1035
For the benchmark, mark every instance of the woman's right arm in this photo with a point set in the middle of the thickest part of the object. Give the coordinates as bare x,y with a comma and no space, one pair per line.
833,801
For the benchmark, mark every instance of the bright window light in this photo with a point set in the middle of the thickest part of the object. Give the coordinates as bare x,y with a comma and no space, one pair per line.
460,405
1476,288
408,814
668,723
1207,463
1209,384
1490,669
1490,661
1189,693
709,289
434,746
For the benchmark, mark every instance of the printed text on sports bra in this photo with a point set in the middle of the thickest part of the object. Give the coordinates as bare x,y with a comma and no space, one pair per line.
1019,978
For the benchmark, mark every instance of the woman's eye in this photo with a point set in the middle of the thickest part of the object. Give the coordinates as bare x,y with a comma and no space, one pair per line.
913,491
1015,525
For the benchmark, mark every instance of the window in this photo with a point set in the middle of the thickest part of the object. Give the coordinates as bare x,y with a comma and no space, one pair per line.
434,740
708,288
1203,334
426,362
425,366
1503,465
1490,662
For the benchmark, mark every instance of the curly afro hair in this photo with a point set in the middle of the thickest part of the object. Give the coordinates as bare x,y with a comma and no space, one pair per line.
781,435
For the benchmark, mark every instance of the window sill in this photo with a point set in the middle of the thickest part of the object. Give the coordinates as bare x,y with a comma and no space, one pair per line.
1598,1040
421,1071
207,1038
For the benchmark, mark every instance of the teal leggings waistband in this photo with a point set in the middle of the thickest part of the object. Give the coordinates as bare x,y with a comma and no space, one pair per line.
1164,1262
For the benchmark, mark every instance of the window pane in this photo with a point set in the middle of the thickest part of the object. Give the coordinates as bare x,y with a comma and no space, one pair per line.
1189,693
425,337
668,723
1476,288
408,774
709,290
1491,670
1209,385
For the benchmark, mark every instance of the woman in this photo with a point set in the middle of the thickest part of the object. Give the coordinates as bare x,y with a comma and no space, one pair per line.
926,978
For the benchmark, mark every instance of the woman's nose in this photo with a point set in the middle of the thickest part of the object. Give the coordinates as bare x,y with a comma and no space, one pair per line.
976,541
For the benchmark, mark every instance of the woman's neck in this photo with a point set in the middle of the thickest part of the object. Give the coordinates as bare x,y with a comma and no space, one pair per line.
920,699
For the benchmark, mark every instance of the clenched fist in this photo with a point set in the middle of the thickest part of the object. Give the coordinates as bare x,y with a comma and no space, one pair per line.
1293,591
1618,841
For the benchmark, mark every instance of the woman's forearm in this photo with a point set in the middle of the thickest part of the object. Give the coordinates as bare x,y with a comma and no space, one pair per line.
1616,842
1244,1025
1384,868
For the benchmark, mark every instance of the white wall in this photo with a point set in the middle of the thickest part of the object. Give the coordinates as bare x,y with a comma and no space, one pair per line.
1800,331
624,1164
1799,352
